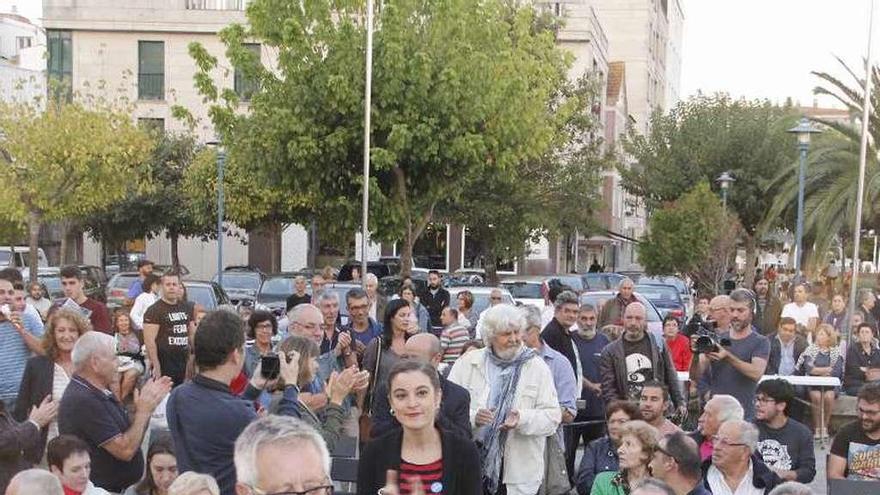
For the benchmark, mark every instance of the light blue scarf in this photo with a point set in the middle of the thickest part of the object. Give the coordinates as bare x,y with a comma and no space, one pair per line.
501,397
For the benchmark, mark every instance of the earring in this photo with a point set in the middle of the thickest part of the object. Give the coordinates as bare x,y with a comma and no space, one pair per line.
392,411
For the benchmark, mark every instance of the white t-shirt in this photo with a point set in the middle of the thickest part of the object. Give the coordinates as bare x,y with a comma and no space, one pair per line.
801,314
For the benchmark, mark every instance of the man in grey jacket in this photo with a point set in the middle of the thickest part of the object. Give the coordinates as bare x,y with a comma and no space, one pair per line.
635,358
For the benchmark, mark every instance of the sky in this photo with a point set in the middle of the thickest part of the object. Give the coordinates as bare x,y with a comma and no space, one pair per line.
767,48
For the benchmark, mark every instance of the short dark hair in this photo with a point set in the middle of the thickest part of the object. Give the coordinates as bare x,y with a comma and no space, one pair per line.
71,271
656,384
257,317
433,272
171,273
629,408
684,450
12,275
219,335
864,325
779,390
356,293
787,320
149,280
408,365
60,448
870,392
143,263
669,318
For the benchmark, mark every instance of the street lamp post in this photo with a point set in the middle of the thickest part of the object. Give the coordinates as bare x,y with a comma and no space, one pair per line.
221,164
368,87
725,180
803,131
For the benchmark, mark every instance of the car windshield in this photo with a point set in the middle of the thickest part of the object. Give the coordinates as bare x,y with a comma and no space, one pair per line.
673,281
5,256
123,281
599,299
574,282
278,286
658,292
201,294
246,281
52,283
524,290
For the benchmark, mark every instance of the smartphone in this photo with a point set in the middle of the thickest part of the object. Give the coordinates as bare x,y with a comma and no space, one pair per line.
270,366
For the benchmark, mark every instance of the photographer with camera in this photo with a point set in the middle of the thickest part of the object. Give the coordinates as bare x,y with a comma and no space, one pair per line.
733,361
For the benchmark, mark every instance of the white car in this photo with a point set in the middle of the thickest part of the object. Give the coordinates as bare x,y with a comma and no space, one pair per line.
526,290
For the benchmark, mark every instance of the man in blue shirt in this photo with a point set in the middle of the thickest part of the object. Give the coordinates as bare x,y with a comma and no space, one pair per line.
589,343
362,328
145,267
20,335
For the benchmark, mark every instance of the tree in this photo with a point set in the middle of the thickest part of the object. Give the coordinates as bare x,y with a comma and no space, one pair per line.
166,207
555,195
692,236
701,138
831,179
459,87
66,161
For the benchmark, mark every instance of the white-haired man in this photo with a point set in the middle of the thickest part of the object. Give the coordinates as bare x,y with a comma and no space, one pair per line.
34,482
91,412
514,406
377,300
281,454
735,469
719,409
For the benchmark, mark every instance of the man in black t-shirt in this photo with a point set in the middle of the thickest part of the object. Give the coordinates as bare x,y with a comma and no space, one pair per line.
300,296
855,453
785,445
168,328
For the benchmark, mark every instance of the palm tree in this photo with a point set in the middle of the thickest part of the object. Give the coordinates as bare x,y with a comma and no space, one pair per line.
831,183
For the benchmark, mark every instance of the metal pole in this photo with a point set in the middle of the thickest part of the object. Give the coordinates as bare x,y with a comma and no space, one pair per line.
221,162
799,235
863,151
724,198
368,86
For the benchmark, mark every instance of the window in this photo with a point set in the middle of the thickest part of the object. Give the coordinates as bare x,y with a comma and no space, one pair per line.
23,42
245,86
152,124
60,64
151,70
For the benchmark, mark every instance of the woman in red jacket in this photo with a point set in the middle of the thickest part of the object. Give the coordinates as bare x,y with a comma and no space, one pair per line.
679,345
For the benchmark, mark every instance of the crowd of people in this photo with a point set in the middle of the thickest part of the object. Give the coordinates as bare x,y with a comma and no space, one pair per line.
164,398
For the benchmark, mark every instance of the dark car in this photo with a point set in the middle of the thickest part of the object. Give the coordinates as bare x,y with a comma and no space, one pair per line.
390,286
341,289
241,283
117,288
378,268
50,279
601,281
665,298
275,290
94,282
684,289
207,294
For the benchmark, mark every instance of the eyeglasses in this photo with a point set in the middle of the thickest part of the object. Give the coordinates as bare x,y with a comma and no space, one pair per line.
724,442
318,490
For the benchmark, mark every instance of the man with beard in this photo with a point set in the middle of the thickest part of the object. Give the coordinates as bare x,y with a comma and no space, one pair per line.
514,406
589,343
784,444
635,358
736,368
435,298
786,347
767,307
653,403
855,453
613,310
557,333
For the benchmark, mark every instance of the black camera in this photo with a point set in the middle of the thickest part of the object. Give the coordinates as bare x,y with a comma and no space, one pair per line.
708,339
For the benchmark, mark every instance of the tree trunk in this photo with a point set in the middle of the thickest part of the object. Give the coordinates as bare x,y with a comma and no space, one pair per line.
34,220
175,255
406,255
490,265
751,244
275,249
64,227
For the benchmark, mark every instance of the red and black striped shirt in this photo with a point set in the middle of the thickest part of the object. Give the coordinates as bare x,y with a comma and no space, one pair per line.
430,474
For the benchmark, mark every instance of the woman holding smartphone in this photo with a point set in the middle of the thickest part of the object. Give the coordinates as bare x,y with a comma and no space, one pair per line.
422,456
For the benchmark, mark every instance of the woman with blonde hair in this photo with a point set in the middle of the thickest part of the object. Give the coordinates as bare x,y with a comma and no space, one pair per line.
822,358
47,375
638,441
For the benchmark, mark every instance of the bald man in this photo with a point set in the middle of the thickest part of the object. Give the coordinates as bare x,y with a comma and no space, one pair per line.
456,401
635,358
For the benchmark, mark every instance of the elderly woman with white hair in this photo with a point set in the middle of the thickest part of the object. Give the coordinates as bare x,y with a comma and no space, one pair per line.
514,405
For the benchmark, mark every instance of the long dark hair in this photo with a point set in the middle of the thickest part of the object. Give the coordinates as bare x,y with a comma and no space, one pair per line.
390,312
162,445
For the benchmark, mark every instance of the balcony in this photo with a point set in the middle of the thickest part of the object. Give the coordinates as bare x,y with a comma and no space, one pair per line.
216,4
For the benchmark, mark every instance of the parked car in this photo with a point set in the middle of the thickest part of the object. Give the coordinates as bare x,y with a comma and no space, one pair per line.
684,290
275,290
601,281
182,270
572,281
526,290
241,282
390,286
17,256
207,294
654,320
341,289
378,268
481,297
665,298
50,278
94,282
117,288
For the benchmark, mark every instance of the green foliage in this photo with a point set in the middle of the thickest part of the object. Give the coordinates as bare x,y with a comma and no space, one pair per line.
691,236
459,87
704,136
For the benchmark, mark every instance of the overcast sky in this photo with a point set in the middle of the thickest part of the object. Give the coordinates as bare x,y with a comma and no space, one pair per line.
767,48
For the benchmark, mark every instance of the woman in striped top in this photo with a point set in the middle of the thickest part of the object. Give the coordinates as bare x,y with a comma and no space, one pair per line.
454,335
422,457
